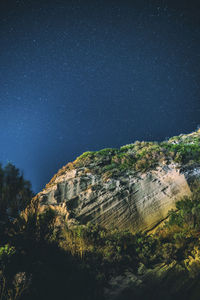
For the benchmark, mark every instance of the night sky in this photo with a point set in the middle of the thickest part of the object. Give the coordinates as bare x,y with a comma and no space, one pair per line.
86,75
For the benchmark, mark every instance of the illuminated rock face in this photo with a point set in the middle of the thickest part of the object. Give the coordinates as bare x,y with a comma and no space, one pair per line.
137,201
129,200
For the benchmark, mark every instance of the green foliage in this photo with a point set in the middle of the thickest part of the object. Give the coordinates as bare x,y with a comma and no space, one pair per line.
87,154
142,156
112,166
106,151
6,252
127,147
188,213
183,153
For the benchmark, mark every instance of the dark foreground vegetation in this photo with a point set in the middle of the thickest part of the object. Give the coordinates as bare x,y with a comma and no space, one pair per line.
40,258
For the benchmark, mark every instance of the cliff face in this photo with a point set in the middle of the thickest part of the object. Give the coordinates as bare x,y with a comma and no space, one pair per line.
133,187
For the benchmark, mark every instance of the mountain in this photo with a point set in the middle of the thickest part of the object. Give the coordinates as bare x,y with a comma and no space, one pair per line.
133,187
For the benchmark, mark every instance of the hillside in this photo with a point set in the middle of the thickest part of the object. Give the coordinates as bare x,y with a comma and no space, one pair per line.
124,193
132,187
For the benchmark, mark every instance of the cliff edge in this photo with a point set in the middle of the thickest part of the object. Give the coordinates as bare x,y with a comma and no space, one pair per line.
133,187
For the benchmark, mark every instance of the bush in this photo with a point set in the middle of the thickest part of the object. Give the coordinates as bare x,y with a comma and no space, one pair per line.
6,253
15,193
188,214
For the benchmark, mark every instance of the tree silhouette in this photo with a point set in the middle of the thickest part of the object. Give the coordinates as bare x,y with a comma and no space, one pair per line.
15,191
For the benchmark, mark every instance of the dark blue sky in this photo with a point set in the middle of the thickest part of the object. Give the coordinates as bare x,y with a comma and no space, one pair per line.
85,75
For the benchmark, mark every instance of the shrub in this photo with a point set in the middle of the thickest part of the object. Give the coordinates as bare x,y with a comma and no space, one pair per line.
6,253
15,193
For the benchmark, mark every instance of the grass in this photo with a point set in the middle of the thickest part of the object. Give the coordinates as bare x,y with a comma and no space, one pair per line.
138,157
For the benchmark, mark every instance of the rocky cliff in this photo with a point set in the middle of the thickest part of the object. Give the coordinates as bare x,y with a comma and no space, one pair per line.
132,187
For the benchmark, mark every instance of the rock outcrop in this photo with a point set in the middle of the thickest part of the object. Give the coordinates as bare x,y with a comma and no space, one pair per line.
130,188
